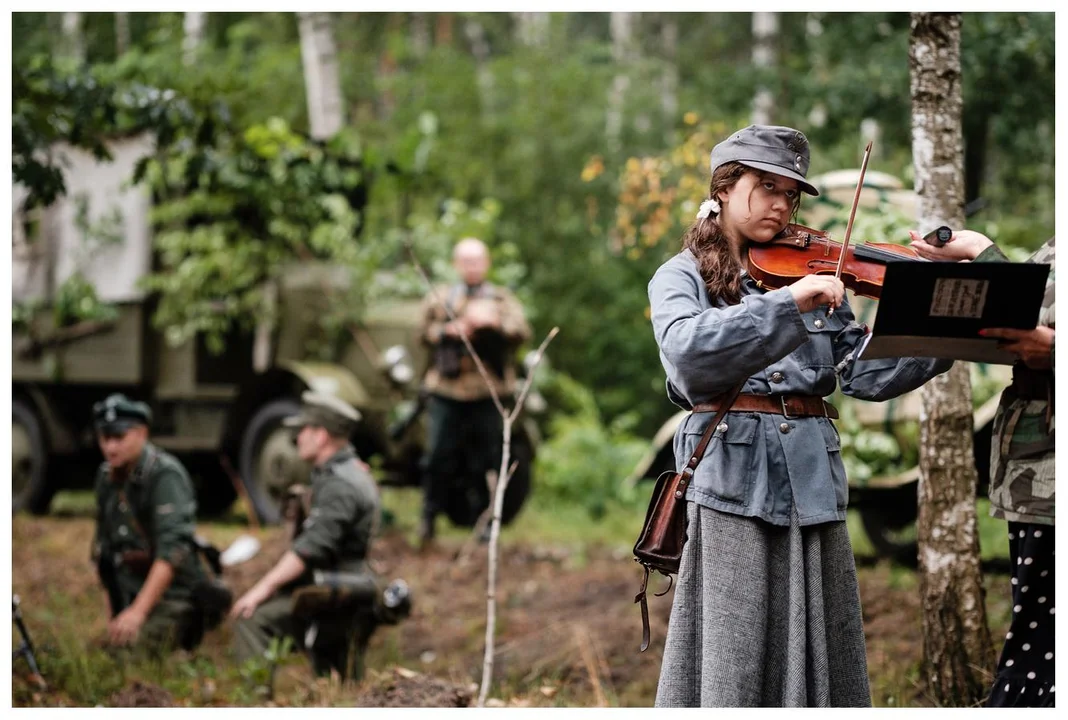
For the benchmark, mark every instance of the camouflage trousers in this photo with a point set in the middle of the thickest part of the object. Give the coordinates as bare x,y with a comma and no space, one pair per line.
334,640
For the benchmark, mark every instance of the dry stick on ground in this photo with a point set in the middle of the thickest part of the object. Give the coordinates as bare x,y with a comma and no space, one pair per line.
586,650
505,471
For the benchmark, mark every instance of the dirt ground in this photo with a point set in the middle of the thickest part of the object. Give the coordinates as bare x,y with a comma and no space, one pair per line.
568,629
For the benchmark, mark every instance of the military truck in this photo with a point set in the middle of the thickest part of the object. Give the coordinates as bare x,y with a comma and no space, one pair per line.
220,413
886,502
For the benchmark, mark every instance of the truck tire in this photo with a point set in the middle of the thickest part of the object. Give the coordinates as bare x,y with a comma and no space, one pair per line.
31,488
467,502
266,465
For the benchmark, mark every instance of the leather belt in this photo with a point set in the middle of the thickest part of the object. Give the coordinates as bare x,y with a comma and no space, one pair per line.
789,406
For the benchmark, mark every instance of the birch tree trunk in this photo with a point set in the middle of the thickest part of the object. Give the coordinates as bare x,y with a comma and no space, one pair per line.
765,56
532,28
73,39
957,649
420,29
621,27
122,33
669,79
321,80
480,49
193,27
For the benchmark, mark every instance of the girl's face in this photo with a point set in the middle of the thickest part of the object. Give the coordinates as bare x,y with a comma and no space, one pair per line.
758,206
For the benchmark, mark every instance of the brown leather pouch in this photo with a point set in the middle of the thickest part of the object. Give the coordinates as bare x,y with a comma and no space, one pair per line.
660,543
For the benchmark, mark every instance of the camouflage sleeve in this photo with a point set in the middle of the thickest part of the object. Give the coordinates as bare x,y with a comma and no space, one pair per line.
332,511
514,324
992,254
174,508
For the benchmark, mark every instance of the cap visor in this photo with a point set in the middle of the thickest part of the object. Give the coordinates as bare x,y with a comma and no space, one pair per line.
116,426
296,421
806,188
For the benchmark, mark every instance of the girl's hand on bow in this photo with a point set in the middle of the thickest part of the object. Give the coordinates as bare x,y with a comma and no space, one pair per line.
812,291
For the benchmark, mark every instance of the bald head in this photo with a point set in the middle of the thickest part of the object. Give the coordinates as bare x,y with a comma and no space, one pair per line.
471,259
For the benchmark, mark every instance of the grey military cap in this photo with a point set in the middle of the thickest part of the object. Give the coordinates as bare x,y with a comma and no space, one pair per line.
772,148
325,411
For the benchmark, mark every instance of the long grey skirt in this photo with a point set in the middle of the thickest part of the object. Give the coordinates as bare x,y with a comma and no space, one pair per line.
764,616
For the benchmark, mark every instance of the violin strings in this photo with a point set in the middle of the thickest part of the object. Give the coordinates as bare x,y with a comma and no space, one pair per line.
871,253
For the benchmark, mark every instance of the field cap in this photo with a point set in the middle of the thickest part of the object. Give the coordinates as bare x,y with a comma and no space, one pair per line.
772,148
326,411
116,414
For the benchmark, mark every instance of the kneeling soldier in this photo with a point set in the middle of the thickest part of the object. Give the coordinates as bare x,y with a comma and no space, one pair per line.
144,545
321,592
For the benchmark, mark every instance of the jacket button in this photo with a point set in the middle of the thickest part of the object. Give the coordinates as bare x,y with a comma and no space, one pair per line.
776,377
784,428
722,427
123,531
819,324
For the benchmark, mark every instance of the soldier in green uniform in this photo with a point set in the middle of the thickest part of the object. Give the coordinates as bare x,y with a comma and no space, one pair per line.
463,420
1022,484
144,542
329,551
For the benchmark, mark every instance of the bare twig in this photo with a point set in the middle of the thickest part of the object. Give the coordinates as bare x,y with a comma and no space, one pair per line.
484,518
495,528
505,472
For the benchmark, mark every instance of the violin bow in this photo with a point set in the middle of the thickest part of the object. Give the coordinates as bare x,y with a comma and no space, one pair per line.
852,214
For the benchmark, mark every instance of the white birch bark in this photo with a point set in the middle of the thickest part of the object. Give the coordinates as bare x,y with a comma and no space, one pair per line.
957,651
621,27
73,38
322,82
669,79
480,49
193,24
765,57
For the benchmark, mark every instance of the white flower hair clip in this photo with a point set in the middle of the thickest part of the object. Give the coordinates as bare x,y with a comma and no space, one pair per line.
708,207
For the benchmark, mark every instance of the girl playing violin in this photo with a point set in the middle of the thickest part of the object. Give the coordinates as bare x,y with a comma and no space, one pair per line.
767,608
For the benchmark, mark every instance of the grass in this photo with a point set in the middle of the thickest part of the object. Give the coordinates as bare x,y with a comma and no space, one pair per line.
63,623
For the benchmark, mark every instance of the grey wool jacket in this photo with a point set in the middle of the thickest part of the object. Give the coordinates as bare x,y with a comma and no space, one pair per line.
763,464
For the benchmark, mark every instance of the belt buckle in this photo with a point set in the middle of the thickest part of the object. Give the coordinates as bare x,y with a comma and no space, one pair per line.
785,413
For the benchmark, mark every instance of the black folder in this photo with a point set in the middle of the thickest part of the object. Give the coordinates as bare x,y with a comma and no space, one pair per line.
936,309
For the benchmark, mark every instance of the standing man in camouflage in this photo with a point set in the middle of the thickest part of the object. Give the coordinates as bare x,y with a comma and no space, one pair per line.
1022,485
463,421
144,546
329,550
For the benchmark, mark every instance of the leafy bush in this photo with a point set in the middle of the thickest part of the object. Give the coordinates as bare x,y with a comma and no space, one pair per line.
585,459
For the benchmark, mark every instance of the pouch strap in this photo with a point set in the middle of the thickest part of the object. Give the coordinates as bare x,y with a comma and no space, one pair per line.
640,598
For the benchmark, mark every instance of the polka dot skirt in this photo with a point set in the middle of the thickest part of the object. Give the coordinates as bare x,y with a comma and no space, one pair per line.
1025,676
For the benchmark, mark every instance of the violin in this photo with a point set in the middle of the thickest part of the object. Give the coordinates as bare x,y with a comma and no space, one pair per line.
799,251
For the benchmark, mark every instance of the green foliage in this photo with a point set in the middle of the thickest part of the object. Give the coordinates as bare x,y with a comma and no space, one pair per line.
76,301
585,461
511,134
232,213
259,673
